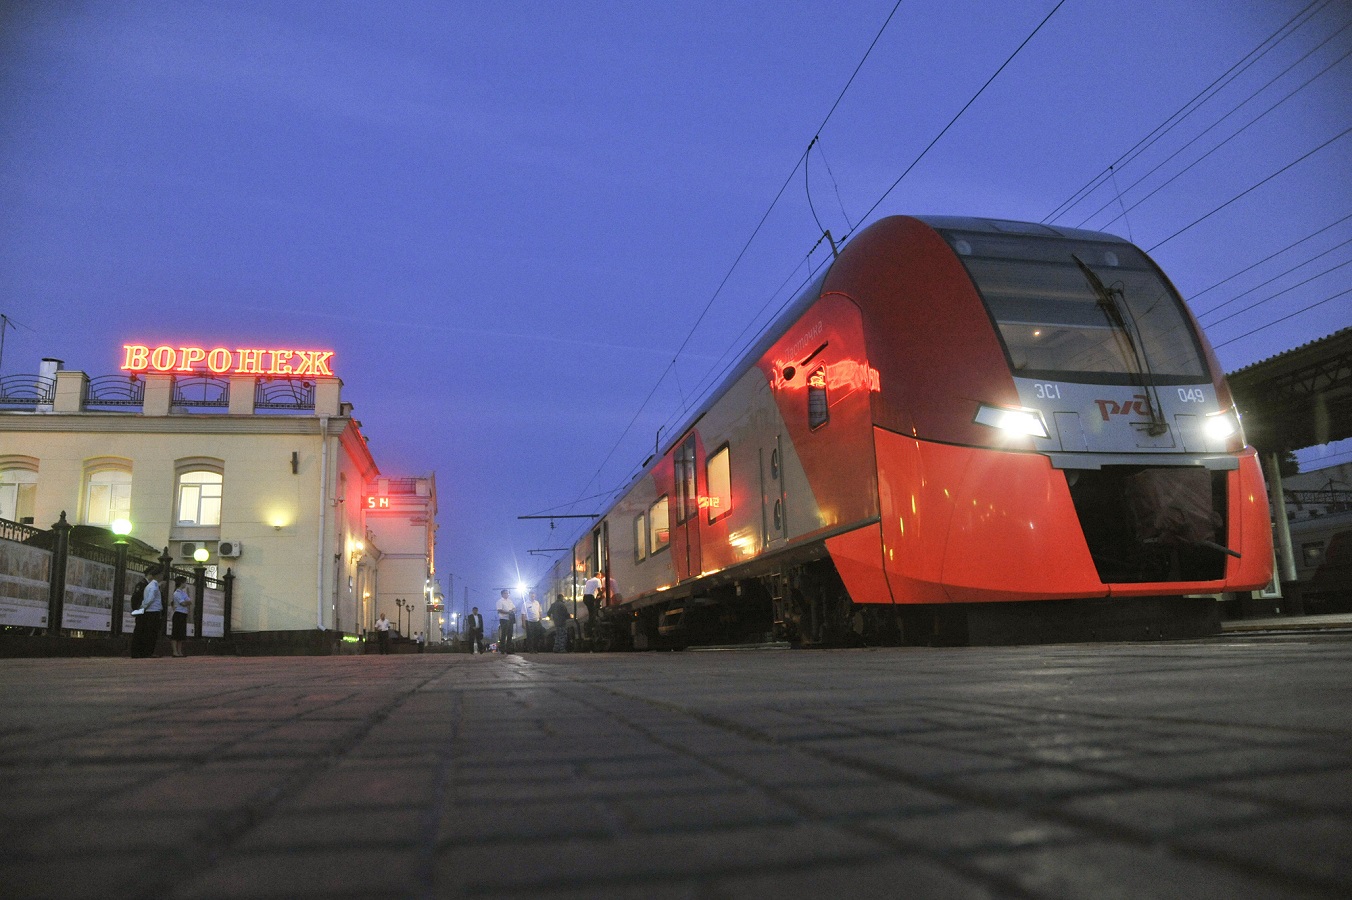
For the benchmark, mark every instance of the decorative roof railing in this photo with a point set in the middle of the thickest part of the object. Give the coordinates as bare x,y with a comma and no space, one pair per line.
285,393
201,391
26,390
115,391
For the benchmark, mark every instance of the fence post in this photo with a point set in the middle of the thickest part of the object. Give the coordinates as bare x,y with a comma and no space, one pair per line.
119,588
199,573
56,588
166,594
229,601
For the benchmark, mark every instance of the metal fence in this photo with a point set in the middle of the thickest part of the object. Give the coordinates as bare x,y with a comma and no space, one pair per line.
53,584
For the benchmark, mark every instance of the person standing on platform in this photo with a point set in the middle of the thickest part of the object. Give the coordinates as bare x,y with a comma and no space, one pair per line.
383,633
589,593
149,618
474,629
182,606
558,614
530,620
506,622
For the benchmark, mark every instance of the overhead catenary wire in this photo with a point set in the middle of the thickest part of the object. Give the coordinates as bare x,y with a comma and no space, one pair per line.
741,254
1251,189
1268,258
1299,265
1222,143
965,107
1283,291
1269,324
1275,38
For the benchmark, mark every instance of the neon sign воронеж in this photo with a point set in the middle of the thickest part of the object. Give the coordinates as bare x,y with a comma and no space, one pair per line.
220,361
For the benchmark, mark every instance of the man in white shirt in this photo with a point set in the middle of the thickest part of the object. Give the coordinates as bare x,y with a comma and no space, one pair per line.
589,594
383,633
530,620
506,622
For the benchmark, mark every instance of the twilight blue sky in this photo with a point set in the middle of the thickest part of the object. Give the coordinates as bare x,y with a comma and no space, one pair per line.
507,217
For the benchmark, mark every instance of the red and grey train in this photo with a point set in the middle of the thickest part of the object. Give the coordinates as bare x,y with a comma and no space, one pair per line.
965,430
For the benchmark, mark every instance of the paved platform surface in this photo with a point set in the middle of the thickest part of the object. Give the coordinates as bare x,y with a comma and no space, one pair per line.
1194,770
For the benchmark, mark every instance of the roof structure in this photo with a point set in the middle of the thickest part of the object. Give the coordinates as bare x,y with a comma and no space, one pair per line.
1299,398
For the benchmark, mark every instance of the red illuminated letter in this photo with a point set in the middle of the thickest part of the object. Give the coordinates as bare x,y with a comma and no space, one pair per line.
162,358
190,357
137,357
218,360
250,362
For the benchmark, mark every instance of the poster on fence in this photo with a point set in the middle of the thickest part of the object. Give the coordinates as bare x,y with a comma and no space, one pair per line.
25,573
89,595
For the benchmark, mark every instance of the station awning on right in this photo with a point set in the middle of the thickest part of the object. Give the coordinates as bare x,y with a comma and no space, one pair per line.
1299,398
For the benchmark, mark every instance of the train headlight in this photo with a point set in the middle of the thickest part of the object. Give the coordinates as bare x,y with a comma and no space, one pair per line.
1013,420
1222,425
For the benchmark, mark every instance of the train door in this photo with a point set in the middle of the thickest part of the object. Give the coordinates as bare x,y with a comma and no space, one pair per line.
773,512
685,542
600,539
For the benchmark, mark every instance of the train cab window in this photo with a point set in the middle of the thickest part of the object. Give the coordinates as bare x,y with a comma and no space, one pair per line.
817,411
659,526
718,484
641,537
1056,323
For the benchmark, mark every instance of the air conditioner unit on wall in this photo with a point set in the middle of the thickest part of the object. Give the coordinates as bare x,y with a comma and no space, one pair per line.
229,549
187,548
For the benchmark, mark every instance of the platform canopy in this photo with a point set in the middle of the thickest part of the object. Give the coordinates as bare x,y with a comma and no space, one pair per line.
1299,398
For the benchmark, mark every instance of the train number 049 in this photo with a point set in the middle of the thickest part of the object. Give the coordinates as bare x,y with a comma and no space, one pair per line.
1046,391
1191,395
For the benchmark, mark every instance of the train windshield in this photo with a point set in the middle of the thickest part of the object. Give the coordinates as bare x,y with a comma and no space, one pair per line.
1081,310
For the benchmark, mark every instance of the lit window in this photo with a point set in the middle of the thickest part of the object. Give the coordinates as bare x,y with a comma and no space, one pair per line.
641,537
659,530
108,497
18,490
199,498
817,412
719,485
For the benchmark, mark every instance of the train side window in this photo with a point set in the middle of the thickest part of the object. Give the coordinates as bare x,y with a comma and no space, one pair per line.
659,526
718,484
817,411
641,537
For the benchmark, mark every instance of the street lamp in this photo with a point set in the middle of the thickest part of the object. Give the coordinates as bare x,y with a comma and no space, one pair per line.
121,528
399,605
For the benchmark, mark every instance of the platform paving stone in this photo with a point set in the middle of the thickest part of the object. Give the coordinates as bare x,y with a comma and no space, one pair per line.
1217,768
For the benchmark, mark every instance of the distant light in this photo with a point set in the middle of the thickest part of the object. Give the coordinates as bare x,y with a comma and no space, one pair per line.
200,554
121,527
521,586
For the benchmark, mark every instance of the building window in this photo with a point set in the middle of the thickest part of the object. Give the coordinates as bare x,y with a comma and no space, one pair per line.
718,478
199,498
107,496
817,412
659,526
641,537
18,491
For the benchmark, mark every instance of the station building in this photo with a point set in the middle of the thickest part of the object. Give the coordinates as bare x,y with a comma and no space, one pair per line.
251,455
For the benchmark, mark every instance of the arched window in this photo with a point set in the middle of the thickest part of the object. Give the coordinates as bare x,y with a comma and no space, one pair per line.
199,497
107,492
18,488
